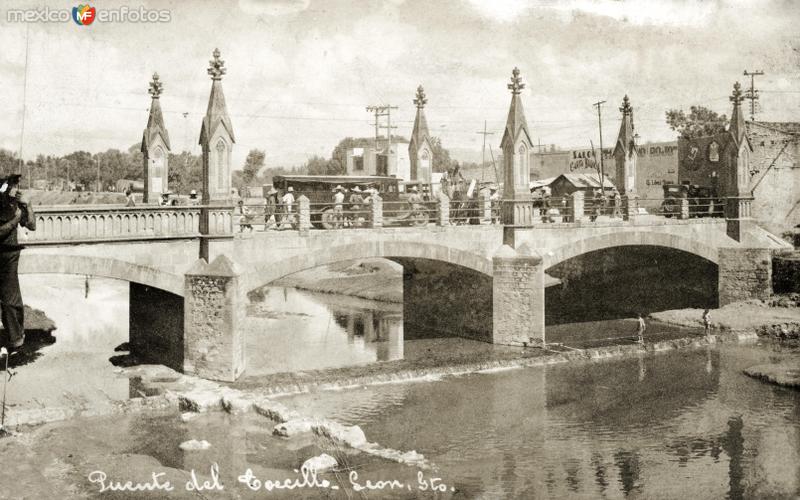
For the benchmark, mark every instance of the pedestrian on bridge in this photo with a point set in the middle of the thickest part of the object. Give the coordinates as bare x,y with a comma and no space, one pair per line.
338,209
269,208
15,209
288,201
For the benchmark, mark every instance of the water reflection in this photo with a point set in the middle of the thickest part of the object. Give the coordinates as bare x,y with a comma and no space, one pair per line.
289,329
73,369
680,424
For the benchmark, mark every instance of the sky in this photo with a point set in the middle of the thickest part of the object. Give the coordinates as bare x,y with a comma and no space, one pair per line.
300,73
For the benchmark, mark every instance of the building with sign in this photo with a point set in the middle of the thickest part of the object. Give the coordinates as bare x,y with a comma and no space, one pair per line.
656,165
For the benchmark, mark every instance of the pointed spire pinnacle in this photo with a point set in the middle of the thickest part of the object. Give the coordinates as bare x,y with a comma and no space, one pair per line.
217,112
626,106
516,123
516,84
625,138
216,66
156,87
155,120
420,131
420,100
737,128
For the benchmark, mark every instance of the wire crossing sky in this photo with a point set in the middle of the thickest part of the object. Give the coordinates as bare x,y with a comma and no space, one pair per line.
301,72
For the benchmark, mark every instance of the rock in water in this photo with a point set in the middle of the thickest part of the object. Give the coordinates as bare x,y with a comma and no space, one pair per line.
320,463
194,444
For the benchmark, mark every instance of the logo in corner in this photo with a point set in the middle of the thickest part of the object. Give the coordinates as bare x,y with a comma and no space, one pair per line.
83,15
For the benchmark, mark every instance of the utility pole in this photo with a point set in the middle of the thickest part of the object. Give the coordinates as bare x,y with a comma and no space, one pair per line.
383,110
97,164
24,100
752,94
600,124
483,151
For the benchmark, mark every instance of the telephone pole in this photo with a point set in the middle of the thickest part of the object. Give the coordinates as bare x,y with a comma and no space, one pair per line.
383,110
600,124
483,151
752,94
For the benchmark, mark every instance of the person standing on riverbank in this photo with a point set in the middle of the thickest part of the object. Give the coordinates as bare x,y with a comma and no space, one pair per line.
15,209
640,331
707,322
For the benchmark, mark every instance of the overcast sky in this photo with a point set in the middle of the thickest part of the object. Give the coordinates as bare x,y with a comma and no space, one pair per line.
300,72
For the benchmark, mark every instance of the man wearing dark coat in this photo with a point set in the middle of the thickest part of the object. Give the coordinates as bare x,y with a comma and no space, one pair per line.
15,209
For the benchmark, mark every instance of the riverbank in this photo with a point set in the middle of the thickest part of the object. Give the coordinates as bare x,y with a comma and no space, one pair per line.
372,279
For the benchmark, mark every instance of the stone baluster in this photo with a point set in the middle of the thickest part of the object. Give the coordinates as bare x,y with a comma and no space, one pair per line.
684,208
630,207
303,214
577,206
376,214
443,213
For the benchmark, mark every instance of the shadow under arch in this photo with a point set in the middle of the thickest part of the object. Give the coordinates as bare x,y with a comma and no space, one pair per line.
629,238
262,275
622,281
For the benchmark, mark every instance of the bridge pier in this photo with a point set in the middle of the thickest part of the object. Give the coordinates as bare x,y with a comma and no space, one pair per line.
744,273
518,297
214,342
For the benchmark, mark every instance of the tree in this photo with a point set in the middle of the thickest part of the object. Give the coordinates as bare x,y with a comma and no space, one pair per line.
441,156
701,122
252,164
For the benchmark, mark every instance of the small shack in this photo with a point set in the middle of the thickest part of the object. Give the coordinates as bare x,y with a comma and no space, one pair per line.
566,184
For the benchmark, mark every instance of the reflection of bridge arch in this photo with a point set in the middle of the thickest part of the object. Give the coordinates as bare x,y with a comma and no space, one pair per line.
629,238
265,274
101,267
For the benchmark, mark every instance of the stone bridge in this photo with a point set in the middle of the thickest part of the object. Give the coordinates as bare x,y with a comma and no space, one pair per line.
189,309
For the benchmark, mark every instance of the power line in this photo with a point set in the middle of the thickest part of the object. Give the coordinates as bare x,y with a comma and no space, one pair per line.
483,150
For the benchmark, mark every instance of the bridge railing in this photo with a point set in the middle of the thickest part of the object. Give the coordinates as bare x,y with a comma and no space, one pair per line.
641,211
104,222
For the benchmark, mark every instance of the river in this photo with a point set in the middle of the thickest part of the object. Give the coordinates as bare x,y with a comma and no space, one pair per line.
676,424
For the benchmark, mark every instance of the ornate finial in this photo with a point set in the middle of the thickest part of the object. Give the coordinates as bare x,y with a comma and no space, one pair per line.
420,100
626,106
516,84
737,97
217,68
156,87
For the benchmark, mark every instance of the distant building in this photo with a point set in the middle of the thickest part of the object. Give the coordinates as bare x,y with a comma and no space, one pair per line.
365,159
566,184
656,164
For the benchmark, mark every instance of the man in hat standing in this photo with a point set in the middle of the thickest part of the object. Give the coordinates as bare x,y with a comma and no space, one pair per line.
356,200
15,209
288,201
269,207
338,210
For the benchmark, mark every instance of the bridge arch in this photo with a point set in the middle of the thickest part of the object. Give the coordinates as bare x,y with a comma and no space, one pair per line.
101,267
629,238
262,275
